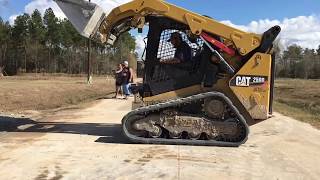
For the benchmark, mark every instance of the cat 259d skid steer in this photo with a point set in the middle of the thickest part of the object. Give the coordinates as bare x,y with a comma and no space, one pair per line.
211,99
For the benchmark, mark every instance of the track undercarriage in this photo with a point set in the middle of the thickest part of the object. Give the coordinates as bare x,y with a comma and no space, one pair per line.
203,119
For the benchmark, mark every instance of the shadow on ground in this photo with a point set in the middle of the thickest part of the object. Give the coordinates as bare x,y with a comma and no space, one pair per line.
107,96
111,133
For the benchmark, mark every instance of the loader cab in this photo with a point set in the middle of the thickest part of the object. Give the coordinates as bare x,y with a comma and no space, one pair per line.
160,78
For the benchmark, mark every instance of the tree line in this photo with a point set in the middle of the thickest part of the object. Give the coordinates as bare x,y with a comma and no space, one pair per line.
298,62
47,44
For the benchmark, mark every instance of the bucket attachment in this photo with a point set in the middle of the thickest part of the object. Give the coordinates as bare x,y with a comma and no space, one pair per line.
86,17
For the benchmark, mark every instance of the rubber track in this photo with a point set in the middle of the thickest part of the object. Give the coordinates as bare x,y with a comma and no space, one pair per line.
174,103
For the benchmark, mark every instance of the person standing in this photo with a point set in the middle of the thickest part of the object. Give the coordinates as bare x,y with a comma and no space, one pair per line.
131,71
118,78
127,78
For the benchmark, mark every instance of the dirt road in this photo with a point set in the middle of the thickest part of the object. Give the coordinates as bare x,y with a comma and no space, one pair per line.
87,144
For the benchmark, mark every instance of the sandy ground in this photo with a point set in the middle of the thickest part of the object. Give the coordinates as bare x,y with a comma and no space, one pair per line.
87,144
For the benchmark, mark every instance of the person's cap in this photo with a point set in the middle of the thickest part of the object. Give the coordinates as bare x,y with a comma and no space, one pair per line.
174,35
125,62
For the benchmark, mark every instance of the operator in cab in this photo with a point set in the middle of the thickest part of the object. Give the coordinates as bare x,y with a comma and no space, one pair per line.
183,51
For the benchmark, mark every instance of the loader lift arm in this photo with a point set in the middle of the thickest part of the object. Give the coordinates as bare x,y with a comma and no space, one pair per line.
136,11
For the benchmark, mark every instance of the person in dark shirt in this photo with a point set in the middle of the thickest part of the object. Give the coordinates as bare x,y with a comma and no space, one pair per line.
118,77
183,50
127,78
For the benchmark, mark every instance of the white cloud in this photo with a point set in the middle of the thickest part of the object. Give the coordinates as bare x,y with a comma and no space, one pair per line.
42,5
12,18
140,45
302,30
110,3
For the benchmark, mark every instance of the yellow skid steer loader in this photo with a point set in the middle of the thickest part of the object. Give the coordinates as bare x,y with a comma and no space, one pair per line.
204,82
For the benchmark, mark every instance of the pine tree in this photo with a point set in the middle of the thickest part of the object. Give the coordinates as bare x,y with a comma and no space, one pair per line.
293,58
4,40
37,37
20,35
124,46
53,37
308,62
36,26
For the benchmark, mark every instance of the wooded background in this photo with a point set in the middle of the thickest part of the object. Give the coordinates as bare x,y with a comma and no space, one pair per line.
36,44
297,62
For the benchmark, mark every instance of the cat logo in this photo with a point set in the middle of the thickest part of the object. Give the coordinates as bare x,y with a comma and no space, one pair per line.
248,80
243,81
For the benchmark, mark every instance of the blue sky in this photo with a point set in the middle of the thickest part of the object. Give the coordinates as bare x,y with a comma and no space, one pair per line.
239,12
245,11
10,7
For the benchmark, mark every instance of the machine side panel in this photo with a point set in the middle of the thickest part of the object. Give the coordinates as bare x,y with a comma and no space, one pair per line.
251,85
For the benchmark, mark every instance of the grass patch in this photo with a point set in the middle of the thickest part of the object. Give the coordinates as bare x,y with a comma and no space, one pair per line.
299,99
298,114
19,93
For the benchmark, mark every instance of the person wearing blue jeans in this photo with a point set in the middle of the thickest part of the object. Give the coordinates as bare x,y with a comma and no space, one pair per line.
126,90
127,77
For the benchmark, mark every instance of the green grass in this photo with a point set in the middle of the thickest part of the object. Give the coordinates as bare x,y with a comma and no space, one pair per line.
299,99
